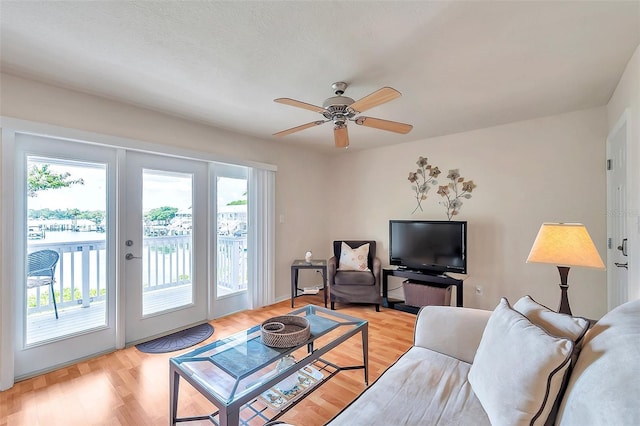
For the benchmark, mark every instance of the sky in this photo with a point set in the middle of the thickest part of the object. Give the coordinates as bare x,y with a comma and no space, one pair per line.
168,190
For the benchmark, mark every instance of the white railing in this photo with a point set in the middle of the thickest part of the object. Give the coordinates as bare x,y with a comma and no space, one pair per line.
166,261
232,263
81,276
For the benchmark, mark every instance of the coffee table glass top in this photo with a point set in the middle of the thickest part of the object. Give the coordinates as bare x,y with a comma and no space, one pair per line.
231,367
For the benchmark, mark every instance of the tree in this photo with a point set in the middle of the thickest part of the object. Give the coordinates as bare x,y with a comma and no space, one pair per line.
161,214
239,202
41,178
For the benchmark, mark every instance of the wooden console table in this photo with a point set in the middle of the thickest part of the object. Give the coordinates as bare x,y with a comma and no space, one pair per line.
418,277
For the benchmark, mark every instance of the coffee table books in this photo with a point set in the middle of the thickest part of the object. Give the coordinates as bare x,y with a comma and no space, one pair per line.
278,398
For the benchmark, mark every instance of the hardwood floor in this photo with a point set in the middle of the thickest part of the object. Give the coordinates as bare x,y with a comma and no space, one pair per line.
128,387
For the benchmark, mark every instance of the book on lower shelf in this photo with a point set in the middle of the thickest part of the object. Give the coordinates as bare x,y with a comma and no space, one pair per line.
278,399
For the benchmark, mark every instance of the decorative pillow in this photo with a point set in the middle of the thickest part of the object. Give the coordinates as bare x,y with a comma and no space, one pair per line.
556,324
559,325
353,259
518,369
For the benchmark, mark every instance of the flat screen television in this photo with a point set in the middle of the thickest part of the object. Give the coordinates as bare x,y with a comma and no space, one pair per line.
428,246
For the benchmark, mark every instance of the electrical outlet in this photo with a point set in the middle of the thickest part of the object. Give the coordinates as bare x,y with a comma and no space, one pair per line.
478,290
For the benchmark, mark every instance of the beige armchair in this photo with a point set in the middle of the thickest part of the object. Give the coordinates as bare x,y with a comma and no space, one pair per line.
353,286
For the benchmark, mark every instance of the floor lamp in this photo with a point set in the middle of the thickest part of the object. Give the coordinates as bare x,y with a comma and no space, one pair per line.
565,245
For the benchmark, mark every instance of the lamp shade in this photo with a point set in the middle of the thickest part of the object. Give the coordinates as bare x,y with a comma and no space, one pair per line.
567,244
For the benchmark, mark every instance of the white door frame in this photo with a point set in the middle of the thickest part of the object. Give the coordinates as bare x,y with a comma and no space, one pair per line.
31,359
615,294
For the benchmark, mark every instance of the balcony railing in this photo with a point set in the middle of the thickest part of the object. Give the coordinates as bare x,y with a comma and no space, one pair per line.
81,272
80,276
232,263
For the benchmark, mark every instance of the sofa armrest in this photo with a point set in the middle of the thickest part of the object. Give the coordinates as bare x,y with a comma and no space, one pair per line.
451,331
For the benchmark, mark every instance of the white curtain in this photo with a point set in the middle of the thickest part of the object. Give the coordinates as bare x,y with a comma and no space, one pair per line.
261,237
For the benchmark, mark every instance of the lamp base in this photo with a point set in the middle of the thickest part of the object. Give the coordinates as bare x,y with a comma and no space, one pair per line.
564,298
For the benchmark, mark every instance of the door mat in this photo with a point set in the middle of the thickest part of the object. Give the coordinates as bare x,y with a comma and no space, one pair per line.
176,341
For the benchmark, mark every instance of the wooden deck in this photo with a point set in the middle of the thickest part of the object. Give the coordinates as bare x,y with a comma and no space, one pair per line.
44,326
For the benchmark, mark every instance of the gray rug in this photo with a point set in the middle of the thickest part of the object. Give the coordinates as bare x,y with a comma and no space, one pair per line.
177,341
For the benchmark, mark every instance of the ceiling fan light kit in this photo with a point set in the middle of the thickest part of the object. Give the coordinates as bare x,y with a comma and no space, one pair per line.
340,109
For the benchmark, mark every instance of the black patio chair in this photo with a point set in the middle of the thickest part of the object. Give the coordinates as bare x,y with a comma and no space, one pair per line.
41,267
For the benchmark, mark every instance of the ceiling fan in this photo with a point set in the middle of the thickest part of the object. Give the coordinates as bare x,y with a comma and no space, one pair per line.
339,109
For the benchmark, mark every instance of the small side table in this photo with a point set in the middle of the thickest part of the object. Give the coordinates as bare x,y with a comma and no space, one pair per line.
317,264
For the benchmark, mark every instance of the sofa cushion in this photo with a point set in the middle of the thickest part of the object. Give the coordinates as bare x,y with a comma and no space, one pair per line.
353,259
556,324
604,387
354,278
518,369
423,387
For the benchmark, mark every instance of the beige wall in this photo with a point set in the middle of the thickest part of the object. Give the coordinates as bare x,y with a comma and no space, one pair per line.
627,96
544,170
298,169
527,173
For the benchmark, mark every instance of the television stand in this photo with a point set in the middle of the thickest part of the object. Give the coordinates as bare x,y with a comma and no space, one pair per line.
418,277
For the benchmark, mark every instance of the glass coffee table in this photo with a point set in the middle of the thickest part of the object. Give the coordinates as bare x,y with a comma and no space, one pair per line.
245,379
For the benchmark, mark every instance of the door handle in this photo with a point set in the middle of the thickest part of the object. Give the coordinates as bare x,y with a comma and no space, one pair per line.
623,247
622,265
130,256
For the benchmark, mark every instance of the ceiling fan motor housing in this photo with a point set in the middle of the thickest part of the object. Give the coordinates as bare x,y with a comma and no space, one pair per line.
337,109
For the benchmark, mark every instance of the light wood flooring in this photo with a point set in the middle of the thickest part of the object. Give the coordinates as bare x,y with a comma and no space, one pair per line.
128,387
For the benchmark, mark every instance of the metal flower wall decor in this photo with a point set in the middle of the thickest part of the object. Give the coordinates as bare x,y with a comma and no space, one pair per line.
425,177
455,190
422,179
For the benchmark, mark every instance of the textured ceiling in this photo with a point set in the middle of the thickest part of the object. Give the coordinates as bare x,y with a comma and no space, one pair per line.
459,65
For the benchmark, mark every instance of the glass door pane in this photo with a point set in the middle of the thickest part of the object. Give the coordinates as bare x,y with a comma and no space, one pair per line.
167,240
232,236
66,276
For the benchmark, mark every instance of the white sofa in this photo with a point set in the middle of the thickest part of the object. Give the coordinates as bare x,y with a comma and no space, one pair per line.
429,384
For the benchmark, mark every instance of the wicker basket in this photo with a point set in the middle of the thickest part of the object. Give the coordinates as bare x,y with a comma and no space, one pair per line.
285,331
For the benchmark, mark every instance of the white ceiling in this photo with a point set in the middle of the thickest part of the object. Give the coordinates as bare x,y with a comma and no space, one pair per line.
459,65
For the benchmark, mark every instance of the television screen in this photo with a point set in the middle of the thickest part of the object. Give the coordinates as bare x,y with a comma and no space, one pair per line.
428,246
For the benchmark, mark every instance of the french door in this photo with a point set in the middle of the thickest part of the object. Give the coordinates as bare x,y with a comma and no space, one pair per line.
141,245
165,244
64,251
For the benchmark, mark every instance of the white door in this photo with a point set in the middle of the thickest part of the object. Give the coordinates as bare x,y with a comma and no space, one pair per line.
64,252
165,244
230,197
617,247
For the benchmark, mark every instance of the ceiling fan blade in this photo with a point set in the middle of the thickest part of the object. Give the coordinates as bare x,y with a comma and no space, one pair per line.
341,136
298,128
376,98
377,123
299,104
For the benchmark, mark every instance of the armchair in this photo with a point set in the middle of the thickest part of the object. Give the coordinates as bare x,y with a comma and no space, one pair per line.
354,286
